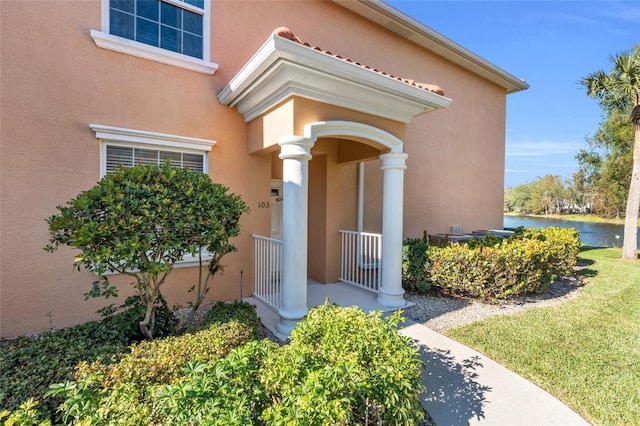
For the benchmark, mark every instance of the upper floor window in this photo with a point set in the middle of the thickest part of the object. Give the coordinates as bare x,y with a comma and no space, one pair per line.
175,25
174,32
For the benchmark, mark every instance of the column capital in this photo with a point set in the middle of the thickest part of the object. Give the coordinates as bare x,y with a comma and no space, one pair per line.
394,160
295,147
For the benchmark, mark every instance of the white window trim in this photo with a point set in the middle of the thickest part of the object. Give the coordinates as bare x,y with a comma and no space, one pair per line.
110,135
145,139
188,261
131,47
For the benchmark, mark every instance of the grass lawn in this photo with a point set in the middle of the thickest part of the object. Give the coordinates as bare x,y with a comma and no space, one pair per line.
585,351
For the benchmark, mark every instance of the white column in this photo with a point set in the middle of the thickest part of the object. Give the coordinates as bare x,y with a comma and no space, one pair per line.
391,292
295,153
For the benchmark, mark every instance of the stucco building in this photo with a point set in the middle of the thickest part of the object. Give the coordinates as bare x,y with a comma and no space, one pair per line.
358,118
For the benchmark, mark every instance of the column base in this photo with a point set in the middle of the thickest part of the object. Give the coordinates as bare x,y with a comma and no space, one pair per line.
392,300
287,322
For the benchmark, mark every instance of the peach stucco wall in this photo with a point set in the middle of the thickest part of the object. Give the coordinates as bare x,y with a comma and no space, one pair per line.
56,81
332,207
291,116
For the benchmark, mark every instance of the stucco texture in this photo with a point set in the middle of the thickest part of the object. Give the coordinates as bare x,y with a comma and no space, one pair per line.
56,81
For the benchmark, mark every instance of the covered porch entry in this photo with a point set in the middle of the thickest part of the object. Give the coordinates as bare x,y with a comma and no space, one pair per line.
322,218
320,118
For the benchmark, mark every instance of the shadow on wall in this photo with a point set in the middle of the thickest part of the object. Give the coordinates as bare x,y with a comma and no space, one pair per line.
453,395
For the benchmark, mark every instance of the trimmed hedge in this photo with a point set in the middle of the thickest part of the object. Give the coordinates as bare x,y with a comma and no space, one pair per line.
344,367
28,365
494,268
341,367
563,245
415,264
134,389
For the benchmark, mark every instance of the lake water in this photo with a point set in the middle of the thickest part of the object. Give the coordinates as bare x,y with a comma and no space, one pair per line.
593,234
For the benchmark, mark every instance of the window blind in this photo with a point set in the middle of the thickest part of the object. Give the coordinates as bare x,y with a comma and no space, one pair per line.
130,156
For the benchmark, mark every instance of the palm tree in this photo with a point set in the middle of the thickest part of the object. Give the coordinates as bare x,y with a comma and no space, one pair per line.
620,91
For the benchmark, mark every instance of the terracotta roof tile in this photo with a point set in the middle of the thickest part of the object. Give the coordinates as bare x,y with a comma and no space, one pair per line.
285,32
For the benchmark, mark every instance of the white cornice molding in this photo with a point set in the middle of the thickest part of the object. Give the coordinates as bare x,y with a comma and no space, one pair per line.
119,134
405,26
282,68
141,50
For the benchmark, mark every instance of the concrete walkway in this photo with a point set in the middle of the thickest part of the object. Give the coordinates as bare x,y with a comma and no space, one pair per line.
463,386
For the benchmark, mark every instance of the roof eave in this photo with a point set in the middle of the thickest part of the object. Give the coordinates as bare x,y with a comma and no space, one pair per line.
282,68
407,27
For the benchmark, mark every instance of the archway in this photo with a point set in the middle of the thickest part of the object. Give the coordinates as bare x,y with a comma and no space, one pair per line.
295,151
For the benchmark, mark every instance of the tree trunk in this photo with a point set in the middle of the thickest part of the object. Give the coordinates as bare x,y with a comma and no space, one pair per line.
148,323
149,297
630,244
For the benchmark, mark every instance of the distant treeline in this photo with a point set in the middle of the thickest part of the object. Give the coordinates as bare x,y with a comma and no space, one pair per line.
600,186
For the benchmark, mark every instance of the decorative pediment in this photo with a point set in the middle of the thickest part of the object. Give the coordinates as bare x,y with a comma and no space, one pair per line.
283,68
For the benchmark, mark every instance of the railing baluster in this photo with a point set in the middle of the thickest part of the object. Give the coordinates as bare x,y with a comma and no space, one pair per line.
278,278
361,260
370,262
360,264
268,270
258,266
342,254
365,261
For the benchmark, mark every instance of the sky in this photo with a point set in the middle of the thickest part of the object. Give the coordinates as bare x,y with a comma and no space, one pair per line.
551,44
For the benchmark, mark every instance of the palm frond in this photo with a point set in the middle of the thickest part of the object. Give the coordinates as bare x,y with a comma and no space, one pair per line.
618,90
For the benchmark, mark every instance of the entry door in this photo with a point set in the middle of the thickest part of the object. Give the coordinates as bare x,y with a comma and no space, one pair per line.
276,209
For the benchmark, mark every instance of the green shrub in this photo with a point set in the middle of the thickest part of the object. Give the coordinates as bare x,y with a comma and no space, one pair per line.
341,367
29,364
149,381
514,267
242,312
124,390
415,264
496,268
139,221
162,361
227,393
488,240
27,413
344,367
125,319
563,245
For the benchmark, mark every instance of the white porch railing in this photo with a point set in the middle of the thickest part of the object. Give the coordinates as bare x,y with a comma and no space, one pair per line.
267,274
361,259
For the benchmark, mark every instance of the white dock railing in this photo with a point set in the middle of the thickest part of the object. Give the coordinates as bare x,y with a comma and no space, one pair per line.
361,259
268,267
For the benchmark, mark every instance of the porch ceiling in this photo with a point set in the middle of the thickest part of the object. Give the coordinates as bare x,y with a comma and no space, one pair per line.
283,68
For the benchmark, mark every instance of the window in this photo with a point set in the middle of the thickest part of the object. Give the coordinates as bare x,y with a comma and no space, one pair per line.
130,147
175,32
171,26
129,156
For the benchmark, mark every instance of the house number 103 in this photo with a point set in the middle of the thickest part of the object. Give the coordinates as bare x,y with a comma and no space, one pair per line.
263,204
